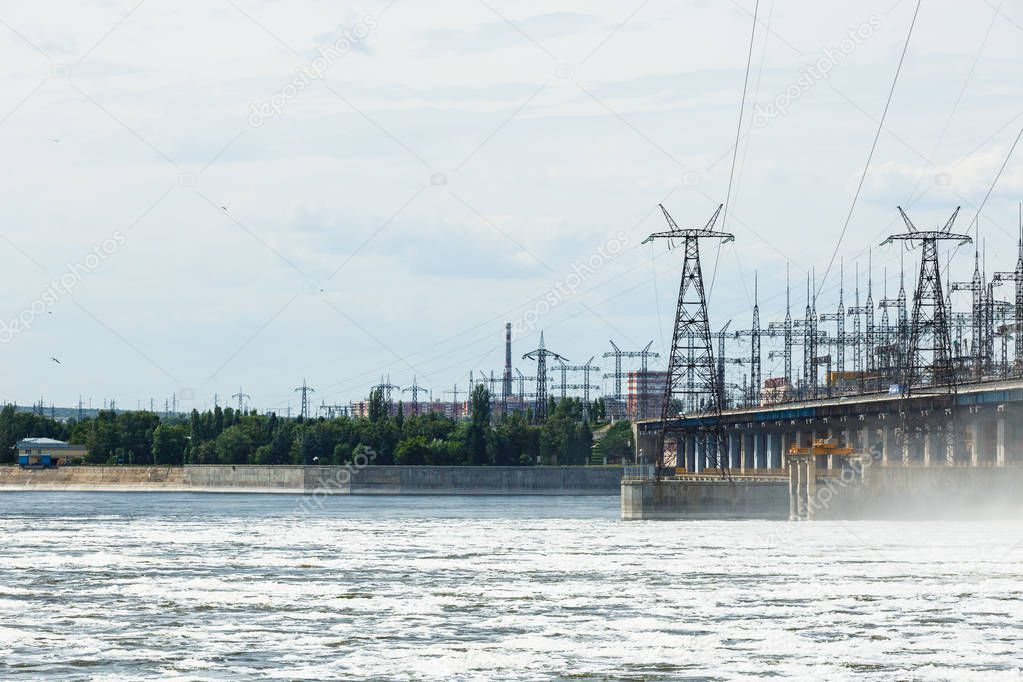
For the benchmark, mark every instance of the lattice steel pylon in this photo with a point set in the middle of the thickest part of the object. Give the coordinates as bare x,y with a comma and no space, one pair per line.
540,355
691,365
977,288
1017,277
618,409
930,343
305,390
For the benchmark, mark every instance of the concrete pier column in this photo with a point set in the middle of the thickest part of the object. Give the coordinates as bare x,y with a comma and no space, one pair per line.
786,443
793,494
734,450
1000,445
775,440
690,443
800,468
747,451
759,450
811,487
928,448
975,441
885,445
700,451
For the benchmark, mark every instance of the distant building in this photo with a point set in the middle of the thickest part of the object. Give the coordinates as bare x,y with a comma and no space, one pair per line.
775,390
57,450
645,394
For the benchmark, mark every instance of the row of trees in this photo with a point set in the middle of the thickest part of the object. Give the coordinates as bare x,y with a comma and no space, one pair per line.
227,436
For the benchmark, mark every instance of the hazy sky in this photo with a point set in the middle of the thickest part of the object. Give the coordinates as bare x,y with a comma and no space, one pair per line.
202,196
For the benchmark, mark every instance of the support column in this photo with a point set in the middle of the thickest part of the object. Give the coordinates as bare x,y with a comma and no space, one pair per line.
690,448
701,453
928,447
811,488
734,450
759,451
775,441
1000,446
800,469
885,445
786,443
793,494
975,443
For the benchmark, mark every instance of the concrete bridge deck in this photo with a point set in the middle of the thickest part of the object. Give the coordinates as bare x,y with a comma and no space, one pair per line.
981,424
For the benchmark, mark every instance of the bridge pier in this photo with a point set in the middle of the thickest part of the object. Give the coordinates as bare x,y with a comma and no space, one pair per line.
1000,442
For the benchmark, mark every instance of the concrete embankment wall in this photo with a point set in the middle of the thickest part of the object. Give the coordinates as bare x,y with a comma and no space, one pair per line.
395,480
710,499
92,478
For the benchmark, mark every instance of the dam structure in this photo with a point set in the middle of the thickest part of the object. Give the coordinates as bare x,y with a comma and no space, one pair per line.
928,418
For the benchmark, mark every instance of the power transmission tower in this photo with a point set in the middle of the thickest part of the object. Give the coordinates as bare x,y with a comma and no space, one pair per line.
242,396
454,403
838,317
1016,277
929,349
692,372
618,410
522,379
930,344
305,391
541,354
977,288
585,386
416,389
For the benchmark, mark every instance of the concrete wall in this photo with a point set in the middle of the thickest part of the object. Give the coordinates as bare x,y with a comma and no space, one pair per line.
92,478
246,477
397,480
704,499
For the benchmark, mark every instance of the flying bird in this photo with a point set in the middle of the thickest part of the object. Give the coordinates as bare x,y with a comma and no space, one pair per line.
55,360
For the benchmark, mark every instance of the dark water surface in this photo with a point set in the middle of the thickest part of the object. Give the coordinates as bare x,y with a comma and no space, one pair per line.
111,586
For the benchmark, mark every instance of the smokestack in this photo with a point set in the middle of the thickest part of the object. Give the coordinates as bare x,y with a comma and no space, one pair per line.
506,384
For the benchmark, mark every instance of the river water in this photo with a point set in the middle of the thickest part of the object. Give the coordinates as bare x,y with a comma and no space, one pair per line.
110,586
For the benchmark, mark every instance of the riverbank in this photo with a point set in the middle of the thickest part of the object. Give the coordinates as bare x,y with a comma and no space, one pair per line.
321,480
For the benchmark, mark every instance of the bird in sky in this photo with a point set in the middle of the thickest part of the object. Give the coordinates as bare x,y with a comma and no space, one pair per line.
55,360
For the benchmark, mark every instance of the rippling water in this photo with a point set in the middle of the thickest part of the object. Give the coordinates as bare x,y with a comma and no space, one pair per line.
115,586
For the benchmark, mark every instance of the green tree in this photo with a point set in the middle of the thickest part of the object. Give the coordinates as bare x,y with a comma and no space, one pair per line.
234,445
479,424
169,444
413,451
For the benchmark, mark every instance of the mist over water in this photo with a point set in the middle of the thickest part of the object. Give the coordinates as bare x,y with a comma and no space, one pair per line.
112,586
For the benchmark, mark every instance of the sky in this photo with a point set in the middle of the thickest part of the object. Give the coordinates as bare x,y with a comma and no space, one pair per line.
205,197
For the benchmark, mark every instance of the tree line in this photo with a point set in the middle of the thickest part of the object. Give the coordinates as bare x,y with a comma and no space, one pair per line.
229,436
